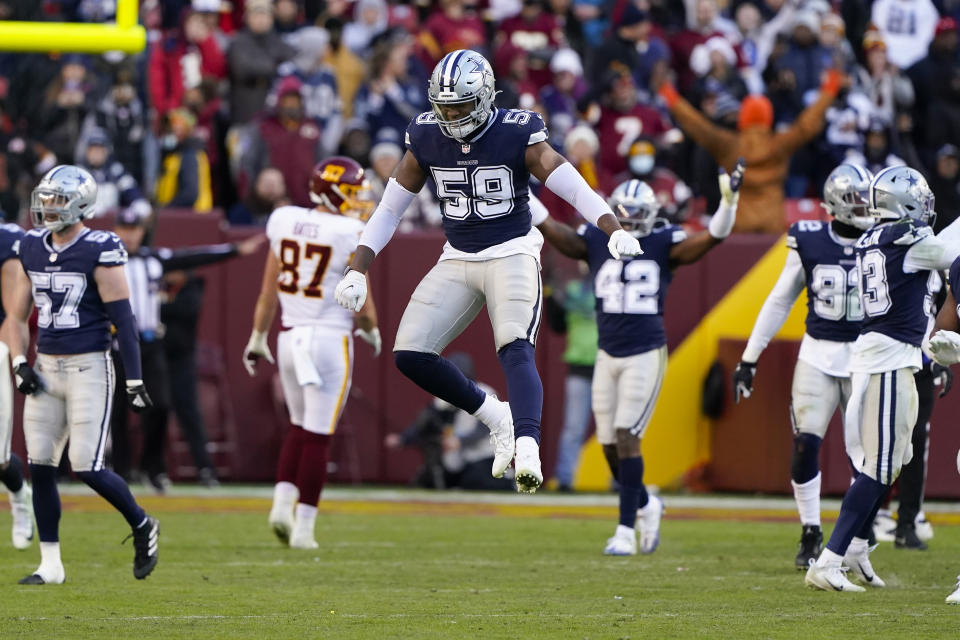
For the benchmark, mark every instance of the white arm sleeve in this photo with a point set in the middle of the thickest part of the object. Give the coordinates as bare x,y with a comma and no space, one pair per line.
379,229
567,183
934,253
776,308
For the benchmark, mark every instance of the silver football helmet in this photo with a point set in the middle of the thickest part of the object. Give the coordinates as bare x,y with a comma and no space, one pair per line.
845,195
65,195
900,192
461,91
636,206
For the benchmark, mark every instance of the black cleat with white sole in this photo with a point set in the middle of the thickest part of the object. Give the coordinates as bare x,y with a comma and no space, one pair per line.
811,541
145,540
33,578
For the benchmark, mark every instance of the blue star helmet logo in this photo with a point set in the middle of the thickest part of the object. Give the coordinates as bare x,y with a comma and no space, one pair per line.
479,68
912,180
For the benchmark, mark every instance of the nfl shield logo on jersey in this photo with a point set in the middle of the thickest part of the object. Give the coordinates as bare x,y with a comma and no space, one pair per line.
465,148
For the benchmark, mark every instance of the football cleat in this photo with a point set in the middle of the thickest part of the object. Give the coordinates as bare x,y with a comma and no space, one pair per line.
906,537
56,576
501,436
811,543
884,526
281,521
303,540
859,565
829,579
21,508
623,542
146,540
529,477
924,528
648,524
954,598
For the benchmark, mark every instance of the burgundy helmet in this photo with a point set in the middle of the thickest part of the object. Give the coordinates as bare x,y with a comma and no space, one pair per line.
339,185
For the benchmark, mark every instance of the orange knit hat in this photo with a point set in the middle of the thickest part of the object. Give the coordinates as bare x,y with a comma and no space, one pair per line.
755,111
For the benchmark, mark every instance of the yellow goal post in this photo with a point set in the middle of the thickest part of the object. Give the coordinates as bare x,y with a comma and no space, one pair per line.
70,37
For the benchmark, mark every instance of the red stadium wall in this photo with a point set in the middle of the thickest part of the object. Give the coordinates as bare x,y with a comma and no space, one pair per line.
246,417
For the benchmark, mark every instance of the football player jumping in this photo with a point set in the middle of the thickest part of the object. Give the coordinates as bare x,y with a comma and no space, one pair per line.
75,277
632,357
897,260
822,260
11,467
479,160
309,249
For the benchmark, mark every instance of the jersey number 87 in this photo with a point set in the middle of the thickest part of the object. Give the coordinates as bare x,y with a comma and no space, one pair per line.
290,255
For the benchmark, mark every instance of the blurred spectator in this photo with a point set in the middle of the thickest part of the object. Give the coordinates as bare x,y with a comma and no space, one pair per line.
454,26
704,23
564,13
210,12
287,17
635,47
673,194
927,75
268,193
181,60
516,90
907,26
559,99
64,108
347,67
878,149
184,179
767,154
944,113
536,32
848,118
714,63
888,90
369,21
424,212
286,139
580,147
945,184
574,314
805,58
321,100
253,58
392,97
593,20
455,445
115,186
622,119
121,115
758,37
205,104
832,39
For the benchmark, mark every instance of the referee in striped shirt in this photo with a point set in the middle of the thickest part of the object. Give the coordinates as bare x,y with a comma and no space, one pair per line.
145,270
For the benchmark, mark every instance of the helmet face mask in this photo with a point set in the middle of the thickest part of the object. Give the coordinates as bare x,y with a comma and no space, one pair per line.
461,92
636,207
845,196
64,196
901,192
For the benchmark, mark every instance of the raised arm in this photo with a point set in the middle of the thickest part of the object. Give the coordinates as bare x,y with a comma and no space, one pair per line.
719,143
721,224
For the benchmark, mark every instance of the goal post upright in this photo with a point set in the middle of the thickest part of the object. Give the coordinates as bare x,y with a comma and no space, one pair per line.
68,37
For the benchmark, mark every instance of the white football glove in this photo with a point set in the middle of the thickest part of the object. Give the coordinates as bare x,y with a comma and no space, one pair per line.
372,338
721,224
944,348
351,291
622,244
256,348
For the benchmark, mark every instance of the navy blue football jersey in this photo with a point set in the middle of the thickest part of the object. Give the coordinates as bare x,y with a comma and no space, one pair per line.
71,317
631,292
10,235
830,269
481,184
895,303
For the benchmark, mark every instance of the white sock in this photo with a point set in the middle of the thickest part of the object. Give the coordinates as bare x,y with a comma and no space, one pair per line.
51,567
829,559
921,516
285,493
21,495
807,496
489,412
858,546
624,532
305,515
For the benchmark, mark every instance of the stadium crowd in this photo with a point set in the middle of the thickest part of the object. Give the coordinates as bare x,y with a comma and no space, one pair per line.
232,103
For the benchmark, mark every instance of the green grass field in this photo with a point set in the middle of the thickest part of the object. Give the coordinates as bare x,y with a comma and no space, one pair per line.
405,571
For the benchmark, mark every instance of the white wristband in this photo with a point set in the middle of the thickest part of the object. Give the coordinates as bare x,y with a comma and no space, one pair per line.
19,360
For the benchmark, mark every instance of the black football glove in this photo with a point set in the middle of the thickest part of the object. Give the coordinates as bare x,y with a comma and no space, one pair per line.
137,396
28,381
942,376
743,380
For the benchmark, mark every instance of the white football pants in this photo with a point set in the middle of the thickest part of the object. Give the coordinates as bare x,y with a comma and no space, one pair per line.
625,392
814,399
315,369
